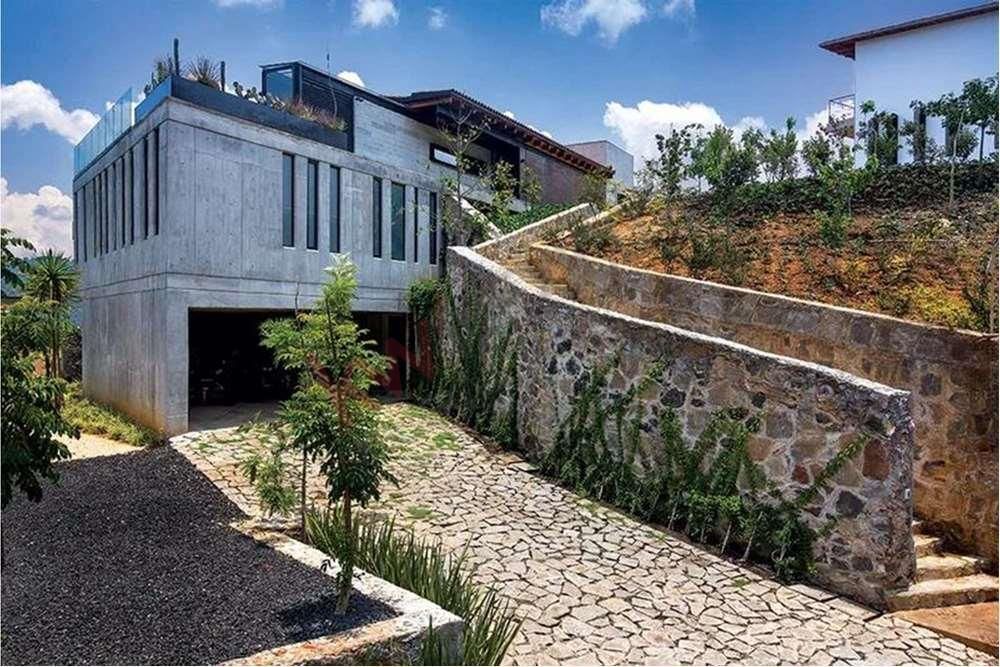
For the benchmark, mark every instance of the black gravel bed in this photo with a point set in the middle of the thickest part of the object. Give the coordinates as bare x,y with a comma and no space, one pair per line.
130,560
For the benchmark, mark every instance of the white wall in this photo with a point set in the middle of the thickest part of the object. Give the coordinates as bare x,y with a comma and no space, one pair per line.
923,64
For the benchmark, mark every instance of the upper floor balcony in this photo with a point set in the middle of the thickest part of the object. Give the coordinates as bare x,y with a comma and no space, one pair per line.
840,112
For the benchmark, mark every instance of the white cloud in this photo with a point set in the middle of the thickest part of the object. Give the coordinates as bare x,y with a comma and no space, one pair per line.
612,17
638,125
679,9
45,217
27,103
438,18
375,13
510,114
259,4
544,133
351,77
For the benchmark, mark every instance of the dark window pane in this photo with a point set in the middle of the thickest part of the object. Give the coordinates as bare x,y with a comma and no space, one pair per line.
131,195
398,221
76,226
279,83
145,188
312,204
287,200
416,224
334,209
121,200
155,177
376,217
432,227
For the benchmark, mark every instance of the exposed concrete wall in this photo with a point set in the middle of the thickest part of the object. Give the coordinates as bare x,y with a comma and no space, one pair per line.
952,375
560,182
810,412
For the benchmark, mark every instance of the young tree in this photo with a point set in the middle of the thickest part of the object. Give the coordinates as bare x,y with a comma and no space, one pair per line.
31,406
779,153
53,280
460,135
922,146
331,417
982,99
817,152
669,168
13,267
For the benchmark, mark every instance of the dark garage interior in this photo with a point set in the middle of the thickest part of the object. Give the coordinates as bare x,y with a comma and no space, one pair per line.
228,365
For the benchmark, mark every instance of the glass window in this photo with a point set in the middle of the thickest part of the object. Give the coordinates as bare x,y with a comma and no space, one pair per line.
76,226
398,221
416,224
279,83
131,195
334,209
439,154
155,178
376,216
121,200
312,205
287,200
432,227
147,168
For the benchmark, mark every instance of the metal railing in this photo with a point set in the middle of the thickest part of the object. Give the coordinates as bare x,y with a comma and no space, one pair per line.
114,123
840,112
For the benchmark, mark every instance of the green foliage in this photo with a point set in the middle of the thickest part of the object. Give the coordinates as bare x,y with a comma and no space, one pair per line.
205,71
817,152
933,305
502,184
330,417
267,472
728,164
713,248
472,377
514,221
12,267
710,489
422,296
52,281
669,168
833,228
590,237
98,419
778,154
31,407
878,133
594,190
427,570
163,67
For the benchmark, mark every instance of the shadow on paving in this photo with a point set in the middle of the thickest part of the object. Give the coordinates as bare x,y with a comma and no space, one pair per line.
131,560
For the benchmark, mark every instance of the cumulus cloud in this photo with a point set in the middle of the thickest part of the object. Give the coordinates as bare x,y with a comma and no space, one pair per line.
612,17
45,217
375,13
351,77
437,19
679,9
26,103
510,114
258,4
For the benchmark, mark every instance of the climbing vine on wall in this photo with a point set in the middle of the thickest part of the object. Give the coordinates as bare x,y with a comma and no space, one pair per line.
474,373
710,488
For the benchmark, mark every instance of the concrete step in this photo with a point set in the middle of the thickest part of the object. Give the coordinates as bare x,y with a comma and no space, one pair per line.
945,593
945,566
974,625
926,545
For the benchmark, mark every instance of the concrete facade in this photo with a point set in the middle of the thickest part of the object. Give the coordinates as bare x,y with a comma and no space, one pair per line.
184,212
610,155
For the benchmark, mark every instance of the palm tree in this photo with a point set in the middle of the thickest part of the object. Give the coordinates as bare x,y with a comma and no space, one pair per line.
53,280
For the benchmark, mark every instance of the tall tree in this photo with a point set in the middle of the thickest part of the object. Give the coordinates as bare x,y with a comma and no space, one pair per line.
53,280
331,417
13,267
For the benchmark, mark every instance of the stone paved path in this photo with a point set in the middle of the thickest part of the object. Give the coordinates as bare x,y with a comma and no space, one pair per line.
593,585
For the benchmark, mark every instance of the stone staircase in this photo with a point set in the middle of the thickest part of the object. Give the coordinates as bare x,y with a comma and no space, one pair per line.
943,579
520,264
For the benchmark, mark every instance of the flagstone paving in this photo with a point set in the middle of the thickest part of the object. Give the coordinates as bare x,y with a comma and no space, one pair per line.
593,585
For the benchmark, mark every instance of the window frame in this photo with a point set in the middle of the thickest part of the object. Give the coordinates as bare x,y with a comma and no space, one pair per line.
287,200
334,206
377,214
312,205
432,225
397,221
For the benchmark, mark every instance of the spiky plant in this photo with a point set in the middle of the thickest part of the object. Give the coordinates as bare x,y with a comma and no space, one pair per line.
204,71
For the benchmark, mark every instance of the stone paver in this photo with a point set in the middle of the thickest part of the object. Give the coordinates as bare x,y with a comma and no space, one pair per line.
593,585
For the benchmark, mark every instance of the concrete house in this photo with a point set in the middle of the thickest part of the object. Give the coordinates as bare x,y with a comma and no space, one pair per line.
920,59
198,214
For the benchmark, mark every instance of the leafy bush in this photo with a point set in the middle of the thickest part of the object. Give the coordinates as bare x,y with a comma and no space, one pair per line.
511,222
930,304
427,570
91,417
715,249
711,488
833,228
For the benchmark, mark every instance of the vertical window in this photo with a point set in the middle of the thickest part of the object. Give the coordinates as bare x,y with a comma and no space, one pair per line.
131,195
312,205
145,187
334,209
104,211
376,216
83,221
98,220
112,206
155,178
287,200
416,224
76,226
121,198
432,226
398,229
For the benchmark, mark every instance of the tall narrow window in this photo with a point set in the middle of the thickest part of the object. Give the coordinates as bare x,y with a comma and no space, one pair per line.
113,206
376,216
287,200
432,226
76,226
104,211
416,224
155,178
312,205
145,187
131,195
98,217
334,209
121,199
398,229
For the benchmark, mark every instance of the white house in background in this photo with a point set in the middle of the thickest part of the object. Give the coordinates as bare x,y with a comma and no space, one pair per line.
610,155
918,60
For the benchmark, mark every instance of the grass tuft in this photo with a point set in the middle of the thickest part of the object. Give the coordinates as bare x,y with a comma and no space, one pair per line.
97,419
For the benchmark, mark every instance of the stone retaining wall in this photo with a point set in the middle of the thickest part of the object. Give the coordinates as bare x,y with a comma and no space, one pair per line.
952,375
809,411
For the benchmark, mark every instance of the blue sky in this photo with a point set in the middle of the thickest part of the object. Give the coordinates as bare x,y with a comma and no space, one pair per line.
556,64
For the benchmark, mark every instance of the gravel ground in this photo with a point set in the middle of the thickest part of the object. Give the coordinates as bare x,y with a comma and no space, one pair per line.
130,560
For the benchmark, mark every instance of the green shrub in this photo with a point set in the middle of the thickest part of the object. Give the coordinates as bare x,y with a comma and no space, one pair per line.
427,570
715,249
511,222
833,228
91,417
